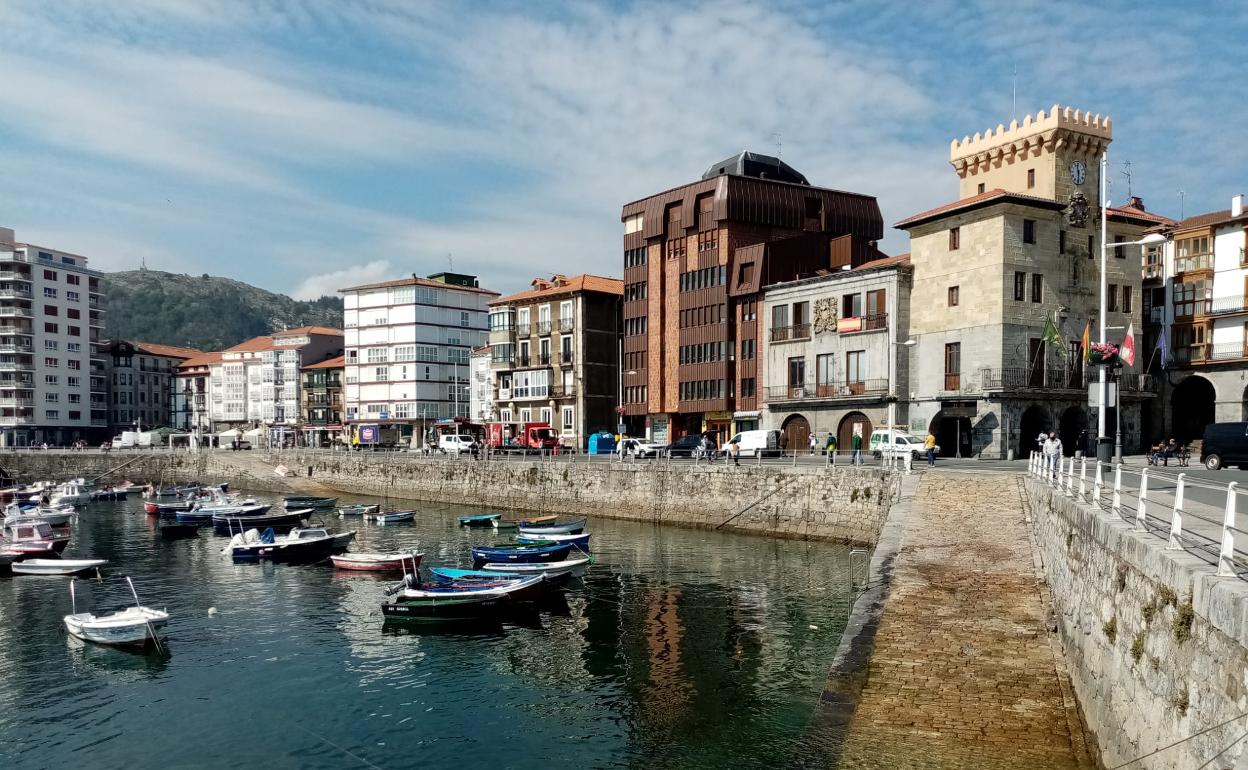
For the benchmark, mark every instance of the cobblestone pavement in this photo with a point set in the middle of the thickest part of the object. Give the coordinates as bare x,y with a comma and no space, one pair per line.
963,674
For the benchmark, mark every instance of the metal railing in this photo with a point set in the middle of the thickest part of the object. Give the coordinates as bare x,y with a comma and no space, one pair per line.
1023,377
523,330
817,391
543,328
1156,503
565,324
787,333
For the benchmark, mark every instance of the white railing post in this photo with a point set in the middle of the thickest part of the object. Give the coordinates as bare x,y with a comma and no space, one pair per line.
1031,468
1176,516
1097,485
1070,477
909,462
1226,558
1083,475
1141,515
1116,502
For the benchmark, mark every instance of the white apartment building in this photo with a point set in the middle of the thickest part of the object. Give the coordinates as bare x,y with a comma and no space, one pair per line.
53,372
1196,292
256,383
407,349
481,406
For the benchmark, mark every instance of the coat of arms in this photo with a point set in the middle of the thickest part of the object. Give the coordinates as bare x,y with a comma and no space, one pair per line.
1077,211
825,315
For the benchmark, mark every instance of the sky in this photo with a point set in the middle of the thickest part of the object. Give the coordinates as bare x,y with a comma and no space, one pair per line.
308,145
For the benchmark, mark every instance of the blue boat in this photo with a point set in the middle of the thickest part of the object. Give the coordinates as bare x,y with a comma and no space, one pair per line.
452,575
573,527
519,553
579,542
484,520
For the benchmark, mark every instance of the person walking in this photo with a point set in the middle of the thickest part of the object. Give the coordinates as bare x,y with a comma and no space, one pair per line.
814,443
831,448
1052,454
784,442
929,444
734,449
855,444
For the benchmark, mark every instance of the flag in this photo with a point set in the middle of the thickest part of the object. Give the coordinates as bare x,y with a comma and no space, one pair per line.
1127,354
1052,338
1161,345
1087,342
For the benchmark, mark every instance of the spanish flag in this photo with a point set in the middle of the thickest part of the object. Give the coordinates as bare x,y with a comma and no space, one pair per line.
1087,342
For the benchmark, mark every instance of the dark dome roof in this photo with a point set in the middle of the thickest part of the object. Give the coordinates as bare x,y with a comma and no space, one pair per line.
755,165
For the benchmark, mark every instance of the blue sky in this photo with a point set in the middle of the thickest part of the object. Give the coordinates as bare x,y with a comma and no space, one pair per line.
307,145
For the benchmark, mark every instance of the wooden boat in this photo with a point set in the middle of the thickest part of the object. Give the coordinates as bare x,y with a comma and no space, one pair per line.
34,537
519,553
573,527
167,510
501,523
483,520
304,501
280,523
579,542
554,571
377,562
300,546
357,510
57,566
461,601
207,514
109,495
60,516
171,530
390,517
136,626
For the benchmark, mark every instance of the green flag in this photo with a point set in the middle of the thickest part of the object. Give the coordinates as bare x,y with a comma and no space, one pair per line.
1052,338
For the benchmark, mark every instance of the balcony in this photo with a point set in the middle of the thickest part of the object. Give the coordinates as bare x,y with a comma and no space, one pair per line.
522,361
1154,271
790,333
565,324
14,293
543,359
16,312
7,331
1198,263
16,366
14,275
859,324
523,330
1056,378
17,419
953,383
14,256
100,421
13,347
543,328
1196,355
1222,306
503,362
825,391
12,401
95,301
563,391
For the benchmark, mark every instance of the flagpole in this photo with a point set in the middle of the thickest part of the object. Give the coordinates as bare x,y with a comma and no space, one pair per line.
1101,437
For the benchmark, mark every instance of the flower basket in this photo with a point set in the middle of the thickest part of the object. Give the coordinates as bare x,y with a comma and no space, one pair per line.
1103,354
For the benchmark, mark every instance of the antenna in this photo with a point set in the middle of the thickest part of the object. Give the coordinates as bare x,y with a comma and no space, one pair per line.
1126,171
1182,194
450,263
779,149
1014,88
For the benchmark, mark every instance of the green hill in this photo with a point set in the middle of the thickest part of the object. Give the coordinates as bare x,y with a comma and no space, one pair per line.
204,312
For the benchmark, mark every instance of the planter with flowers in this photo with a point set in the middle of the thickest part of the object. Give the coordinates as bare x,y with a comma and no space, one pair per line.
1103,353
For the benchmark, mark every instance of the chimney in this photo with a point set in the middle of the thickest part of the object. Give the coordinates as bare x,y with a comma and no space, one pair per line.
1237,206
1136,203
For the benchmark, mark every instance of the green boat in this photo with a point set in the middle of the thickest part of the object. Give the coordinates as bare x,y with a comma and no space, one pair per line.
303,501
484,520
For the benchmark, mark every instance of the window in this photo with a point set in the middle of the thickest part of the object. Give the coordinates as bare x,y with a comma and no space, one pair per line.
75,398
568,422
51,328
955,238
1031,178
464,318
747,387
376,355
72,382
980,189
1126,299
1091,245
50,310
780,317
73,312
1020,286
856,366
851,306
1029,231
381,373
74,364
953,366
49,344
74,347
49,292
545,415
52,398
1061,241
747,349
1120,252
75,331
565,348
51,363
953,296
72,296
801,313
797,371
52,414
75,415
72,279
1113,298
1037,287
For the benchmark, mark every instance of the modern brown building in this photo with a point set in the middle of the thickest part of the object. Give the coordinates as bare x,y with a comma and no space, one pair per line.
696,260
322,402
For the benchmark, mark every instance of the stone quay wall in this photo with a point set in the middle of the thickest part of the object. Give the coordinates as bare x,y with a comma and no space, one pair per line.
1156,643
841,504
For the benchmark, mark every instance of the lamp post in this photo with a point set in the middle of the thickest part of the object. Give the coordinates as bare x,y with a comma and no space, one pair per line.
1101,438
892,393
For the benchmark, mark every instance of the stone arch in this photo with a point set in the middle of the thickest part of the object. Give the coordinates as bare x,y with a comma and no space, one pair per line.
795,433
1192,406
1073,424
845,430
1034,421
953,434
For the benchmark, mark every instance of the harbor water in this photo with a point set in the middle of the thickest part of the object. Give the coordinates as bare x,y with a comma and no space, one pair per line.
680,649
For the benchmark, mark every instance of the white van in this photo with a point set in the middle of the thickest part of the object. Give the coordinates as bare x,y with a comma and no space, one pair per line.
455,444
896,443
752,443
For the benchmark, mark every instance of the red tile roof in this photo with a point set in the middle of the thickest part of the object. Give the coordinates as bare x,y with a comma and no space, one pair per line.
309,330
1199,221
982,199
203,359
547,288
900,259
336,362
253,345
169,351
416,282
1135,210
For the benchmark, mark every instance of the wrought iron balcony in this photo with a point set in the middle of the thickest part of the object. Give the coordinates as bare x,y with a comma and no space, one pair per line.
824,391
543,328
790,333
565,324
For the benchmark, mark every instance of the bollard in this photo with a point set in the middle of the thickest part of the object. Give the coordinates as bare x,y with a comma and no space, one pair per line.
1176,516
1097,484
1069,476
1083,473
1226,558
1140,511
1116,502
909,463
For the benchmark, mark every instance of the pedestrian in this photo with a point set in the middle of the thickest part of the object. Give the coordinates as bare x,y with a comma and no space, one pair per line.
734,449
1053,454
1043,437
784,442
814,443
929,444
831,448
855,444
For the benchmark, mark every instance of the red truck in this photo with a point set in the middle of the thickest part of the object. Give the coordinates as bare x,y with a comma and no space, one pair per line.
520,437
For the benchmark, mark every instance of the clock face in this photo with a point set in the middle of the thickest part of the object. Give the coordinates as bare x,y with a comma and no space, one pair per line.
1078,171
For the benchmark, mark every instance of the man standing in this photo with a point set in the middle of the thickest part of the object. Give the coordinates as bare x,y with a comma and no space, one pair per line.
929,444
855,444
814,443
831,448
1053,454
734,449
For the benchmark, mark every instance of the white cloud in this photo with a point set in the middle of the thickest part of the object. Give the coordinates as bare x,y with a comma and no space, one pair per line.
317,286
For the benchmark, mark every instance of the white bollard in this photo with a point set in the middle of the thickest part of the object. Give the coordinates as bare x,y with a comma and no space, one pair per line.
1097,484
1068,476
1141,514
1116,502
909,462
1226,558
1083,474
1176,516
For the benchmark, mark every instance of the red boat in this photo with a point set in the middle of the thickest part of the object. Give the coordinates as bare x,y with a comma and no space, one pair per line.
154,508
378,562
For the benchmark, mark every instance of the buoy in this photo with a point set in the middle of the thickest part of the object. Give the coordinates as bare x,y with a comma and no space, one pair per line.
812,628
212,611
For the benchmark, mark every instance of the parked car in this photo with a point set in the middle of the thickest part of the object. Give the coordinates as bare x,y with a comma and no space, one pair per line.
685,446
637,448
896,443
454,444
752,443
1225,443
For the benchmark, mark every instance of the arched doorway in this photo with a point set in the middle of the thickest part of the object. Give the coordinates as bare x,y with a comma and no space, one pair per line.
1035,420
796,430
1072,428
953,435
1245,407
1192,406
854,422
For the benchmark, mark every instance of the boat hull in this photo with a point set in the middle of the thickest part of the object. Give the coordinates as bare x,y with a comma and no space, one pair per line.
520,554
391,518
62,567
579,542
479,521
567,528
133,627
310,502
388,563
279,523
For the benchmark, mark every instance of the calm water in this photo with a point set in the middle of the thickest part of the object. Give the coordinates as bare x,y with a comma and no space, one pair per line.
680,649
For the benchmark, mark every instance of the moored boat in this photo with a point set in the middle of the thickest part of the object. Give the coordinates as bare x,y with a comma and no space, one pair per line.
519,553
377,562
34,537
109,495
304,501
390,517
482,520
579,542
357,510
300,546
280,523
136,626
572,527
501,523
206,514
461,601
556,571
60,516
57,566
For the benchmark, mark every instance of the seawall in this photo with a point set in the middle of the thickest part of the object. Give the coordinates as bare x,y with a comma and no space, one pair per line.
834,504
1156,643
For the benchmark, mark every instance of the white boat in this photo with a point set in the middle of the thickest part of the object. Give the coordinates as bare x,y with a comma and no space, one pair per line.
59,516
391,516
56,566
550,568
71,493
136,626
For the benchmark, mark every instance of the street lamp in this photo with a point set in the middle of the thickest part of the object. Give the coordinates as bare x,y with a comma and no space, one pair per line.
1148,240
892,394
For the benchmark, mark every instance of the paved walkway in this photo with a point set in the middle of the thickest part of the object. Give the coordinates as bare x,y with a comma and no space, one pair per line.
964,674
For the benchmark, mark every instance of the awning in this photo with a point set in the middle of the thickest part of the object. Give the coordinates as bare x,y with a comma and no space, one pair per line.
229,434
321,427
254,432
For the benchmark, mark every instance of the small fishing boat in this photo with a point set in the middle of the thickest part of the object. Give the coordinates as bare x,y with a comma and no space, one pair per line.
579,542
519,553
573,527
357,510
136,626
304,501
300,546
57,566
555,572
109,495
71,493
461,600
483,520
389,517
60,516
280,523
171,530
34,537
501,523
167,510
206,514
377,562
